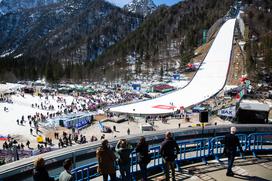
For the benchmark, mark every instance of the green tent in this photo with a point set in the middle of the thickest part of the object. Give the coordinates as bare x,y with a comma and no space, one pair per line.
90,91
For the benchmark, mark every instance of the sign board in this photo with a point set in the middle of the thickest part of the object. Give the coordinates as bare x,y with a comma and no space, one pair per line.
136,87
40,139
228,112
204,36
176,76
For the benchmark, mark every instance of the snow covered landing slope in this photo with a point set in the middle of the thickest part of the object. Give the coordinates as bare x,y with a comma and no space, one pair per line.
209,79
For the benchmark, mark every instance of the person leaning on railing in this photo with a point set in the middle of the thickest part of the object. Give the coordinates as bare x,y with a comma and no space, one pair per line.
143,157
123,149
169,149
40,173
106,159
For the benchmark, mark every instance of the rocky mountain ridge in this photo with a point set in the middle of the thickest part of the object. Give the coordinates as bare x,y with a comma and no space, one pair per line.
67,30
91,40
142,7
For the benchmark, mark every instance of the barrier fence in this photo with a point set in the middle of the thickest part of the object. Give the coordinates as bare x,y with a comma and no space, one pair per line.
190,150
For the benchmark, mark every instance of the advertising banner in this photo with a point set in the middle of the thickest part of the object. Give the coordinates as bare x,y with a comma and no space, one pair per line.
228,112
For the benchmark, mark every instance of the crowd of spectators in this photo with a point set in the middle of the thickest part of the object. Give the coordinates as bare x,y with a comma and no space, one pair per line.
108,157
4,98
54,104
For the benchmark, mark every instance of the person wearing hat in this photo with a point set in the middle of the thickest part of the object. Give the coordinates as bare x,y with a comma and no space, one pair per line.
106,161
66,174
231,143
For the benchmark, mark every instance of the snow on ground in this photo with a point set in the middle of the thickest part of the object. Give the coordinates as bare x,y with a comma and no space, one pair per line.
179,84
4,88
22,107
6,53
209,80
18,56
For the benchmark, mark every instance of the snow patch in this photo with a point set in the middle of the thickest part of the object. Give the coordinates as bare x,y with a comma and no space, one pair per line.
6,53
17,56
144,7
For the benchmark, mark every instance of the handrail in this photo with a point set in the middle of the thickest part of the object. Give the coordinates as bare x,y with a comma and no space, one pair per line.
81,153
85,171
190,150
258,142
216,147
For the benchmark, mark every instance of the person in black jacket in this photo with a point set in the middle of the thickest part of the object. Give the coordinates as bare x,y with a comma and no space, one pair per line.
40,173
123,149
231,143
169,150
143,157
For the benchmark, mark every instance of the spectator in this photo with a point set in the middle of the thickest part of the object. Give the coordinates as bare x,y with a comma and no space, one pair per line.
231,143
27,144
15,151
143,157
102,137
169,149
93,138
22,146
66,174
5,145
40,173
106,159
123,149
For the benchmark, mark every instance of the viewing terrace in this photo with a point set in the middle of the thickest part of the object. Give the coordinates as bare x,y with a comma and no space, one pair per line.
199,157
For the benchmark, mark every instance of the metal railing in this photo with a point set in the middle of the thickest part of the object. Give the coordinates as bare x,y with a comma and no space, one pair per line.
190,150
81,155
259,142
85,172
216,146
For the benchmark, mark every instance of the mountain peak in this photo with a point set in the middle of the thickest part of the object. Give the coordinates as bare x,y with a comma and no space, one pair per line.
143,7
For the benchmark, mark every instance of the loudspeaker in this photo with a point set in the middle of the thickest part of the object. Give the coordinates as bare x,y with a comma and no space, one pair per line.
61,123
204,117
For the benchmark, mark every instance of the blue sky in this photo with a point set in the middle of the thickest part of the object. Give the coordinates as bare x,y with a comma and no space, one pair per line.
121,3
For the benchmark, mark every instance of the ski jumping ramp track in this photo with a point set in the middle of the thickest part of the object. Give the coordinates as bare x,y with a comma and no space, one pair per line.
208,80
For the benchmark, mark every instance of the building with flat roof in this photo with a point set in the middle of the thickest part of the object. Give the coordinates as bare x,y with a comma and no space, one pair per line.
252,112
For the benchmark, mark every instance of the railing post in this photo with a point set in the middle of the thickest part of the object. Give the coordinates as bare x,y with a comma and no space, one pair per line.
203,150
180,155
254,145
74,160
